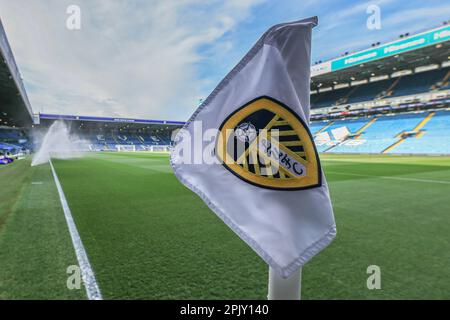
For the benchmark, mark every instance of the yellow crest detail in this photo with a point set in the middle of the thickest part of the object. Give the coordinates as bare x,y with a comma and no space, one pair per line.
268,145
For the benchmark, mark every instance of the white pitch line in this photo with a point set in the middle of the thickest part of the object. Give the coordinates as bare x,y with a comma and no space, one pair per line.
87,274
390,178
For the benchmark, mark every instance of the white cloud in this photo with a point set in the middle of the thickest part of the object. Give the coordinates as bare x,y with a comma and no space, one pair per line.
419,17
130,59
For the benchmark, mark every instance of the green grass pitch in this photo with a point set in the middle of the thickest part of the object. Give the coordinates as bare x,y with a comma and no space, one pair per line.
149,237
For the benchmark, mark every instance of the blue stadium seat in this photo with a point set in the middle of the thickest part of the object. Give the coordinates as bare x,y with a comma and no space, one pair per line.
381,134
317,125
435,139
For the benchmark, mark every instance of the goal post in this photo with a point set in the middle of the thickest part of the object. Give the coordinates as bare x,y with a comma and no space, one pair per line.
149,148
126,148
159,148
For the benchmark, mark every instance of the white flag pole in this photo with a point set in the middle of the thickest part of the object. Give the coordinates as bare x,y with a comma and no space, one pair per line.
284,289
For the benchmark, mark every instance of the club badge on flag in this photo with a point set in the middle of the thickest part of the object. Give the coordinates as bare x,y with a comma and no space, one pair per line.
248,153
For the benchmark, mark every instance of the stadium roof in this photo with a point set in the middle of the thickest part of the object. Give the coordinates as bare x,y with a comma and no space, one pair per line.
15,109
429,47
108,121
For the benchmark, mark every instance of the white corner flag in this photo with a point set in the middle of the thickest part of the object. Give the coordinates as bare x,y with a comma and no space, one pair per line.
248,153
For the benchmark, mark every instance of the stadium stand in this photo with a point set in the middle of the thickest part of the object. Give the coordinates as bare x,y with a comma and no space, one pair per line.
391,98
419,82
394,87
13,140
397,102
433,138
329,98
370,91
379,135
411,133
116,134
15,110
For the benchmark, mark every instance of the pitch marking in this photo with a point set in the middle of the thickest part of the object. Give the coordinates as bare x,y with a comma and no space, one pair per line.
87,274
390,178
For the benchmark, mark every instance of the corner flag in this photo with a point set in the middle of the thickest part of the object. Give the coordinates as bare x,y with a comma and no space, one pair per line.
248,153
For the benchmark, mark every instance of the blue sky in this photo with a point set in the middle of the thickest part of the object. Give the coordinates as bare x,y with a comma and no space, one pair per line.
155,59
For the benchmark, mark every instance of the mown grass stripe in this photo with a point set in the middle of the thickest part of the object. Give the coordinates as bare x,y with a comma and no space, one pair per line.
390,178
87,274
